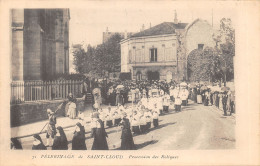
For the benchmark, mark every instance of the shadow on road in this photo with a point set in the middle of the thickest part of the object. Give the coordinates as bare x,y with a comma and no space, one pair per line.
161,126
142,145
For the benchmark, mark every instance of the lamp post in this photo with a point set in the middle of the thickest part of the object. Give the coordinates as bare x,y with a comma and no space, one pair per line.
225,68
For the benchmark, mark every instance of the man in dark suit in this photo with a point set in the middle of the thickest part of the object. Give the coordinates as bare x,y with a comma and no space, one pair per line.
224,102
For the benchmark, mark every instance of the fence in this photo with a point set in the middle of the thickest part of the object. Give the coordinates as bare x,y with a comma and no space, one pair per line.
22,91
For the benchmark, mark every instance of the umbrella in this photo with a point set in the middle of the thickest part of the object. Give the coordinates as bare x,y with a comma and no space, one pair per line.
192,85
183,84
120,86
204,87
225,88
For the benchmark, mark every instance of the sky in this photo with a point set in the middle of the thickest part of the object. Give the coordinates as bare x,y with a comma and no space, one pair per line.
88,22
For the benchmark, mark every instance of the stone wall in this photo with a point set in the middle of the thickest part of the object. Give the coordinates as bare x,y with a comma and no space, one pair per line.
36,111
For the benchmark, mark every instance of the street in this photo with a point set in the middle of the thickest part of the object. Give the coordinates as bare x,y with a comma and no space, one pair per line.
195,127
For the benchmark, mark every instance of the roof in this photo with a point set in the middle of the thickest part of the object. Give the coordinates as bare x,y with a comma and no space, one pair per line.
161,29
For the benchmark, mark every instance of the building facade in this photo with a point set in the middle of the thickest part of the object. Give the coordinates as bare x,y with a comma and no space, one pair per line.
153,53
40,43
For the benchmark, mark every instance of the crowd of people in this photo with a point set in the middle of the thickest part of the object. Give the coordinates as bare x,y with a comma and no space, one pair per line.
149,100
223,99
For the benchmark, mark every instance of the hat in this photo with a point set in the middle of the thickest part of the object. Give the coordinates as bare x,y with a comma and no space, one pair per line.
49,111
78,124
37,137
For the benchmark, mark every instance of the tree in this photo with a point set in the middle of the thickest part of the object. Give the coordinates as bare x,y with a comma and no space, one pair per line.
203,65
225,48
181,54
100,59
79,58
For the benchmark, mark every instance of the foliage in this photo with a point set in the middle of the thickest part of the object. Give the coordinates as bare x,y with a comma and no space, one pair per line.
226,49
203,65
101,59
67,77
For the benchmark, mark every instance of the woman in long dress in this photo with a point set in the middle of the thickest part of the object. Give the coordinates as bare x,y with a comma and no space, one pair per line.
72,110
16,144
37,143
127,142
78,140
99,134
60,140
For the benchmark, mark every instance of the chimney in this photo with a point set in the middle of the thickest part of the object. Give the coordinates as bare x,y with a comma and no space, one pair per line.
175,17
107,30
150,25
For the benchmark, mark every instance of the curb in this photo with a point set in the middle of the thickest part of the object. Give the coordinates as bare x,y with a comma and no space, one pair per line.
29,135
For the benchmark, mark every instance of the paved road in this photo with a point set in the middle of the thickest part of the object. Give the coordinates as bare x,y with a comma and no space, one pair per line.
195,127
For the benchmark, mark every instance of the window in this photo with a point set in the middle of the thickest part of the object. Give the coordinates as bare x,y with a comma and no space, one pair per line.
153,55
200,46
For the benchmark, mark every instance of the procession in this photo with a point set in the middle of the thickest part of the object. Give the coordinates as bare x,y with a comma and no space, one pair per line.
135,115
164,85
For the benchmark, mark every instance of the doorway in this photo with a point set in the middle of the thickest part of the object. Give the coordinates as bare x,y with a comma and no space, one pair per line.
139,76
153,75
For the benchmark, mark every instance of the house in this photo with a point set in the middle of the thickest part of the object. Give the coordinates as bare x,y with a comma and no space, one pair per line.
152,53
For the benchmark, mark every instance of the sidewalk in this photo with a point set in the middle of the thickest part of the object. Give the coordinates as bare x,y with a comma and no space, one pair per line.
35,128
65,122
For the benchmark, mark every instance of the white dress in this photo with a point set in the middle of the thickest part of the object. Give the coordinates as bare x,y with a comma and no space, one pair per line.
72,112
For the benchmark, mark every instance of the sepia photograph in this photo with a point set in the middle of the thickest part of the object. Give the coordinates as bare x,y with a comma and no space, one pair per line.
166,84
148,80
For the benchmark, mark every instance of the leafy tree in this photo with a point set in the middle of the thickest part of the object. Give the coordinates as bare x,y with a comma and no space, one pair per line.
101,59
203,65
225,48
79,58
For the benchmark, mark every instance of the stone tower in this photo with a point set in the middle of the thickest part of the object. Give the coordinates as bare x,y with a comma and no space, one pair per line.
40,43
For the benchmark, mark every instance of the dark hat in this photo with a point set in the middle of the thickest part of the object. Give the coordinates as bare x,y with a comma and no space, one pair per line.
59,128
37,137
78,124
